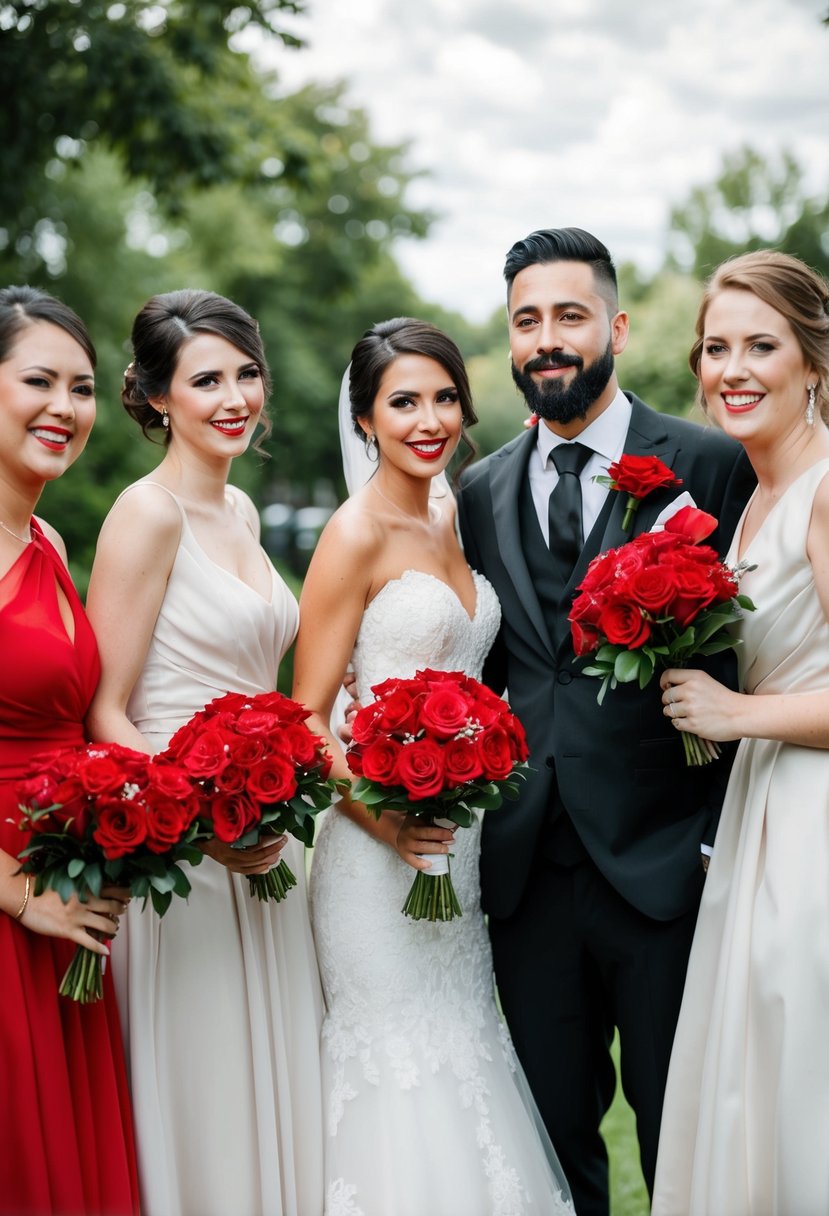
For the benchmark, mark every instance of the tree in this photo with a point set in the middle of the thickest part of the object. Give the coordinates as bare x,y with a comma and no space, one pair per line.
159,83
754,203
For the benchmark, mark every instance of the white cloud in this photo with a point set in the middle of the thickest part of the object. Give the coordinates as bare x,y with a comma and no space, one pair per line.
583,112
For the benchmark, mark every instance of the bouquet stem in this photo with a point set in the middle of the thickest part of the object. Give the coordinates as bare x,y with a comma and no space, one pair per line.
84,977
432,896
699,751
274,885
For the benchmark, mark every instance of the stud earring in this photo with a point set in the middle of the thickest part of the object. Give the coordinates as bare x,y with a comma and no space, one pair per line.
810,406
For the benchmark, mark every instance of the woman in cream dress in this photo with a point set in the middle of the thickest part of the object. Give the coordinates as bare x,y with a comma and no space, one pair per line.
220,1000
745,1128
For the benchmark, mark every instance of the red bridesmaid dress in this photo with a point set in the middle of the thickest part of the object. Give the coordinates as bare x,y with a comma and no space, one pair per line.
66,1140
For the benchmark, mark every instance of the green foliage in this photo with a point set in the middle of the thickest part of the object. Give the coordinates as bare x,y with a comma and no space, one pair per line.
754,203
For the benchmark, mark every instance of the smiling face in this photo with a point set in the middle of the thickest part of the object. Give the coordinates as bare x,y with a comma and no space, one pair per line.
47,401
752,369
564,335
215,398
416,417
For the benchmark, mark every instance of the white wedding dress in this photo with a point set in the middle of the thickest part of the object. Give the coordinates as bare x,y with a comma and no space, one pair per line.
426,1108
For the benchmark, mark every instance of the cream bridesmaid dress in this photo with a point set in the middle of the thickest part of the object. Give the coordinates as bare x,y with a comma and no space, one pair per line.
220,1000
745,1129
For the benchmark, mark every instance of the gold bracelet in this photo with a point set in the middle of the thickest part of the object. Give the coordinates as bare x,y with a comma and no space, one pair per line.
18,914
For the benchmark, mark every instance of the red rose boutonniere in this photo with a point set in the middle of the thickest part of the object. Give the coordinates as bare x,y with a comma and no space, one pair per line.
637,476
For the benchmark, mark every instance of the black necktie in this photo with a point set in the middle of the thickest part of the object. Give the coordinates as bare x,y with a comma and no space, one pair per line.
564,510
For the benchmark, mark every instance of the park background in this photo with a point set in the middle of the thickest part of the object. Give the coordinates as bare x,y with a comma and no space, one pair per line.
328,165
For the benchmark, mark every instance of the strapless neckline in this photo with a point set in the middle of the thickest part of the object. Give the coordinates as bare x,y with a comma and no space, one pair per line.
409,574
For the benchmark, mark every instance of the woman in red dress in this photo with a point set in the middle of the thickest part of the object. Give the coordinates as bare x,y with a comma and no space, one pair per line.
66,1142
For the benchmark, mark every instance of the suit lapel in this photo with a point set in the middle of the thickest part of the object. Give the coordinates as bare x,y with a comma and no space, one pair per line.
509,470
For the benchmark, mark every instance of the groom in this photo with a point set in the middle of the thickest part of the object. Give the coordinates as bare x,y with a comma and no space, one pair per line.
592,880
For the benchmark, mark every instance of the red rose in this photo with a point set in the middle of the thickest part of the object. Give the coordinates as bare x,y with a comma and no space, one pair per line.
364,728
444,711
38,791
120,828
640,475
652,588
102,775
274,780
378,761
624,625
232,816
231,780
695,591
208,755
168,819
600,572
300,744
245,750
170,779
691,523
462,761
420,769
256,722
517,737
496,754
398,713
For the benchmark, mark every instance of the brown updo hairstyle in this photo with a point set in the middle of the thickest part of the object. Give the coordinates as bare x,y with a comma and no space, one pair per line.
22,306
160,330
791,288
387,341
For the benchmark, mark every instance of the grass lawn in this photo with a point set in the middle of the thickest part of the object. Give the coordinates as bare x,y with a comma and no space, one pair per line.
628,1196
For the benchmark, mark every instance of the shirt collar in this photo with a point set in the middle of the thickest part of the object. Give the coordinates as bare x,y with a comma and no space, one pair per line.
605,434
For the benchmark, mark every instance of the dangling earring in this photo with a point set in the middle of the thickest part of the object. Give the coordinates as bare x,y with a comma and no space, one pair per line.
372,448
810,406
165,419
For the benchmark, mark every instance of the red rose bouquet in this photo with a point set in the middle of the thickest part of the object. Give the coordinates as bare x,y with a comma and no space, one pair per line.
638,476
261,771
658,601
437,745
100,815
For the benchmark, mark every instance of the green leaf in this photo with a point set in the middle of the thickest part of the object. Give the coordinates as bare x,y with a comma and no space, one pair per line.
75,867
161,900
626,667
163,882
94,878
181,883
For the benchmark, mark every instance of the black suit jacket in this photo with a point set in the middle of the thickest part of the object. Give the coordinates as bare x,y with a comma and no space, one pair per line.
639,811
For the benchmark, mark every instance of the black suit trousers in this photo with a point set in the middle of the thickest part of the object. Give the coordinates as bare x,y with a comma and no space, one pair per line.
574,960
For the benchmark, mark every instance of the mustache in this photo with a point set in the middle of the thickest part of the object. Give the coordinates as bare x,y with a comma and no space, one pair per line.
549,362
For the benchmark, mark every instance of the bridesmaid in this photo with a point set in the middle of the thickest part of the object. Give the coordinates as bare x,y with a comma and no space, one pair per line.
221,998
745,1128
65,1125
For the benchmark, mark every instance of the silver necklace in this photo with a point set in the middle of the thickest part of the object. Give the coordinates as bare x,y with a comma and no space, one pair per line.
24,540
435,512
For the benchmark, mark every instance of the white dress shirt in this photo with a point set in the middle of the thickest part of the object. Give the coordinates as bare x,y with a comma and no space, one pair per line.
605,436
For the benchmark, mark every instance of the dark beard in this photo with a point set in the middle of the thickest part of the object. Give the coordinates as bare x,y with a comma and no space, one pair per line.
554,401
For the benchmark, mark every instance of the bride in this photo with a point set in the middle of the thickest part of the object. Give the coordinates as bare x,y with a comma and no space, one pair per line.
426,1107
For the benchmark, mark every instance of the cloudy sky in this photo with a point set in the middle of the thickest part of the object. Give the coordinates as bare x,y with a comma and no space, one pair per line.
539,113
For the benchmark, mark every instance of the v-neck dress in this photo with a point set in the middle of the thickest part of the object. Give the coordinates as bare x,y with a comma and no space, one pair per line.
66,1143
221,998
745,1129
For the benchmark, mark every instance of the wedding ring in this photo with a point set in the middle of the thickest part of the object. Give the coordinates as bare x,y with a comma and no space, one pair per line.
670,696
671,708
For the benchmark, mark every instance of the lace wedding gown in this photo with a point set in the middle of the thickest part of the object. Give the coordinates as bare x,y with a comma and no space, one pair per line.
745,1128
427,1110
